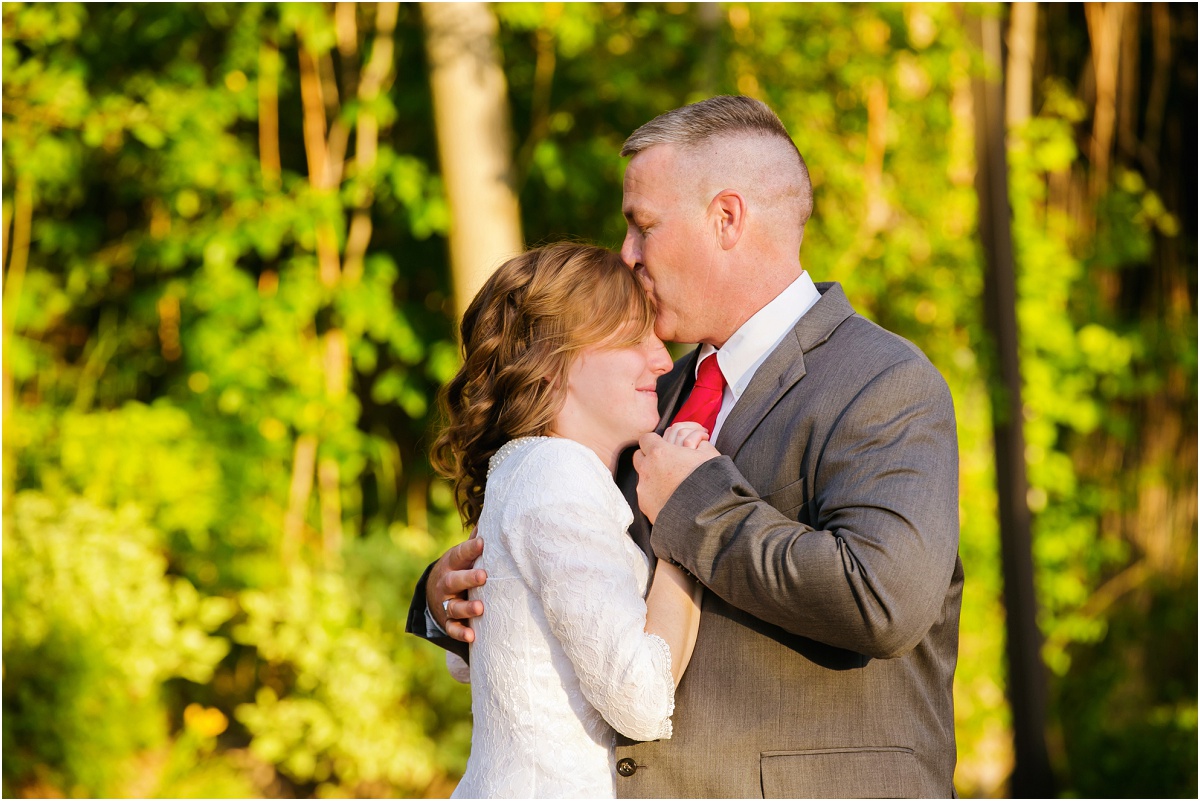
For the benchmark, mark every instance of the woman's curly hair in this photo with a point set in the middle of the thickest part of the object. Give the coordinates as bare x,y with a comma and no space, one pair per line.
519,337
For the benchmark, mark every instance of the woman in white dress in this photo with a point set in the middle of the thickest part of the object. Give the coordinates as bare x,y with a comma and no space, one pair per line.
558,378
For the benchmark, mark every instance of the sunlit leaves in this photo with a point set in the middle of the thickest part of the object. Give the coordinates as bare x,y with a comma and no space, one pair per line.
93,626
170,347
339,720
153,215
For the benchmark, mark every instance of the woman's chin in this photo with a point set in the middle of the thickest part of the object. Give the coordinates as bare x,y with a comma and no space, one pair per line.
633,437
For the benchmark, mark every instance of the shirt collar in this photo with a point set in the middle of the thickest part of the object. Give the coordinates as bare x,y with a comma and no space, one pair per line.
751,344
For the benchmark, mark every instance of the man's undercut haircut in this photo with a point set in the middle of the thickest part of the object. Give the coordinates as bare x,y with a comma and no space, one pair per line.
723,115
731,116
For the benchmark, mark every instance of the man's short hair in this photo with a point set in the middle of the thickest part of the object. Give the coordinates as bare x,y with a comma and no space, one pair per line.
721,116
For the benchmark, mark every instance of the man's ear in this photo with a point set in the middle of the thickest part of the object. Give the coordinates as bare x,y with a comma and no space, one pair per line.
728,211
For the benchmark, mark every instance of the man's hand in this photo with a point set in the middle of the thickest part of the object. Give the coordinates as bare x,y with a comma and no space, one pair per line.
446,589
662,465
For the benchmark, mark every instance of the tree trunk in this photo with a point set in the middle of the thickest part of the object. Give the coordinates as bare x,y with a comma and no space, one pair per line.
470,102
1032,776
1104,25
1018,76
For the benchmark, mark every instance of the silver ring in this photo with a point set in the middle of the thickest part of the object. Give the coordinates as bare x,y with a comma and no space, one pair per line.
446,606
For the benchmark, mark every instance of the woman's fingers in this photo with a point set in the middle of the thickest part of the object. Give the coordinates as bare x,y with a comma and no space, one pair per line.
687,434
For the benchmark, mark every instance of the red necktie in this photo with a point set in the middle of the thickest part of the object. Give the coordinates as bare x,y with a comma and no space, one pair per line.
704,403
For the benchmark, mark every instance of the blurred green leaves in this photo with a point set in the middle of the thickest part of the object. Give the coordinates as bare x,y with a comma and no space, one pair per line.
93,627
171,344
198,412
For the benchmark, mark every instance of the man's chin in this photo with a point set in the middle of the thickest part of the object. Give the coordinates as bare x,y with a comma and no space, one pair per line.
664,329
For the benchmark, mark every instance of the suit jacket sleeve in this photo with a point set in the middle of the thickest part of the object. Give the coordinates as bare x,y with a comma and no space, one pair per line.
870,575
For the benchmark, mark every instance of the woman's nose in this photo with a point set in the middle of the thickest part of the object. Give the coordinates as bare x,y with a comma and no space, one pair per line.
660,359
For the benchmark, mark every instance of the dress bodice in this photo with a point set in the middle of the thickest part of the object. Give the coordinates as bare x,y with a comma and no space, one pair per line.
561,657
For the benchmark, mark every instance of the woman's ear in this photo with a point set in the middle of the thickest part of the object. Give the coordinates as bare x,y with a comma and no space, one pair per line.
728,210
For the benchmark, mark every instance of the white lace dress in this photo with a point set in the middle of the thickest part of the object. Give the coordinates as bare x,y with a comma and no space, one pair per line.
561,657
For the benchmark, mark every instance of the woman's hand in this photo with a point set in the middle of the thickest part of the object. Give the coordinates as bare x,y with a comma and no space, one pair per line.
686,434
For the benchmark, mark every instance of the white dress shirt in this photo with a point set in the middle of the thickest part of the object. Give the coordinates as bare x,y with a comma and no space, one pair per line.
757,338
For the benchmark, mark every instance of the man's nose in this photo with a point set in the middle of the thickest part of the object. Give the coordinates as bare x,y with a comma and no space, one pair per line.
629,251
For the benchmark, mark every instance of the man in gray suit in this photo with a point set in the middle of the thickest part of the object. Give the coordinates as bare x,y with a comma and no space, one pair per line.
825,525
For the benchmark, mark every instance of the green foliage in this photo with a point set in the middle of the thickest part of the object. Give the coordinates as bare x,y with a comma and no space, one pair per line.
343,717
1062,366
93,626
170,347
1142,732
1116,595
181,617
358,707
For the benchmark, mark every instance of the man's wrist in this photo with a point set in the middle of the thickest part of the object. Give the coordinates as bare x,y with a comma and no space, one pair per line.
432,629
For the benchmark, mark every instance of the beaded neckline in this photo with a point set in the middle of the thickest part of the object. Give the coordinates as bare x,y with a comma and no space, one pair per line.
506,450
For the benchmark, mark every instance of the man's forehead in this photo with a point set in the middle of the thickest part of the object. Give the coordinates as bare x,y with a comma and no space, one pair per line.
635,203
655,157
632,190
634,175
648,173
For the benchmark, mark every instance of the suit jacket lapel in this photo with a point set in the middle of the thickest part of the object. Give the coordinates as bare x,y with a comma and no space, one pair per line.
783,368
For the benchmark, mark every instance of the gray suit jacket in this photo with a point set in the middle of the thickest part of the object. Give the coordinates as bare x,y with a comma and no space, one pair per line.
827,538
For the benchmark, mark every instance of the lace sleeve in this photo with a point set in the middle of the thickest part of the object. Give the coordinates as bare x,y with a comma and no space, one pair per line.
459,670
566,538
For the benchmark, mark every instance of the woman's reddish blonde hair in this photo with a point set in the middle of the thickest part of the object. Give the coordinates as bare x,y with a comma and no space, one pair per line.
519,337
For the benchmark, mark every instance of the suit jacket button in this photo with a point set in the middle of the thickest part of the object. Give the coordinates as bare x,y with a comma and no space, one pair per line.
626,767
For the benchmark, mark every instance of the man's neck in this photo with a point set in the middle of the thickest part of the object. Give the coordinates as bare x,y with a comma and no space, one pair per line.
758,297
